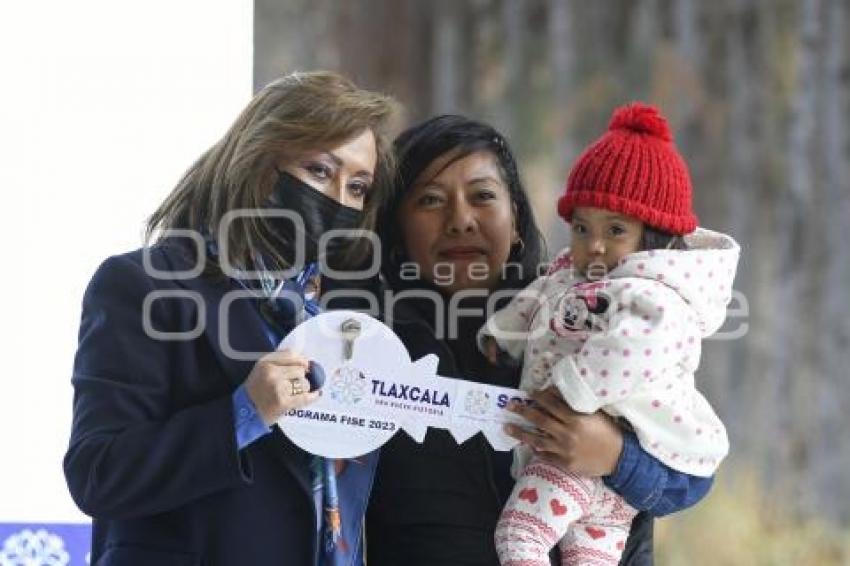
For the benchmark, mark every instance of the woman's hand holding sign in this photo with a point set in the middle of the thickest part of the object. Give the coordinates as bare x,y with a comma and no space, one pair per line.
585,444
278,383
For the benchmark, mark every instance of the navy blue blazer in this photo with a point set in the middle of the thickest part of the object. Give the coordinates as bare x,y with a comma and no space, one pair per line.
152,455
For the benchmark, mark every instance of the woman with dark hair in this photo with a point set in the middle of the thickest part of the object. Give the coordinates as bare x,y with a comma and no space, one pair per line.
176,381
437,145
458,232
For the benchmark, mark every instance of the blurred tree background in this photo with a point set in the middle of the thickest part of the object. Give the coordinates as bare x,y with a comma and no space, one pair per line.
758,95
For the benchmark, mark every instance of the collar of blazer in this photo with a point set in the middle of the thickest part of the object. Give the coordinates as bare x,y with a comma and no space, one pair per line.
233,326
235,332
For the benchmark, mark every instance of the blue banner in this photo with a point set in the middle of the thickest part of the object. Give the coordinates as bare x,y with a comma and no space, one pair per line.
44,544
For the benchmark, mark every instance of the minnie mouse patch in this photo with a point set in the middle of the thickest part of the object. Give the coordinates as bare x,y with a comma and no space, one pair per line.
580,310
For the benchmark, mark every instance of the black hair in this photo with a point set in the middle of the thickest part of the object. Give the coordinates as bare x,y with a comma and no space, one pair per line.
655,239
416,148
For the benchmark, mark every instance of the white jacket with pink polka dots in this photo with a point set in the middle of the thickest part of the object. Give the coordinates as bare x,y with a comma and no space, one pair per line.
630,344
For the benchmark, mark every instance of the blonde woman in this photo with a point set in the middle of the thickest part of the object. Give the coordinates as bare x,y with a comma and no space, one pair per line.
176,382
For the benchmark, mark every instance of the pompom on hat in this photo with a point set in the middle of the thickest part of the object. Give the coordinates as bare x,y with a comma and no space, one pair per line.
636,170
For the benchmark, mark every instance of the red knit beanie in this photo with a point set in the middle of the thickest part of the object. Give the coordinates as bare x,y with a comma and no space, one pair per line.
634,169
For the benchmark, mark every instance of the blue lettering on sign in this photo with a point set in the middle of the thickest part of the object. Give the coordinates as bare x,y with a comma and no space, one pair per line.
503,399
410,393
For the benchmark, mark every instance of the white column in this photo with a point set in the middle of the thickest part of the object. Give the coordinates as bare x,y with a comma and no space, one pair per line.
103,105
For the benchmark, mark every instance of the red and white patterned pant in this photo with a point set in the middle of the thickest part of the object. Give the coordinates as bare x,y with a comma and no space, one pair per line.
548,506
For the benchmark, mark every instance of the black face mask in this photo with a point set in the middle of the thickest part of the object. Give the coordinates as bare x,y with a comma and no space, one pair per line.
319,212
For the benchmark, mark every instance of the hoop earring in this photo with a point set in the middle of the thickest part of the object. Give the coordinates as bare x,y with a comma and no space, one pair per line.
521,244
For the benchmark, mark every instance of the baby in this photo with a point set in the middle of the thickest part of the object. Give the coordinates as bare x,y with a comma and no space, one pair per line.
616,325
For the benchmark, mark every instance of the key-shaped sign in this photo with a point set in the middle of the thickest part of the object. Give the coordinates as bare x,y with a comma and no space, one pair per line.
374,390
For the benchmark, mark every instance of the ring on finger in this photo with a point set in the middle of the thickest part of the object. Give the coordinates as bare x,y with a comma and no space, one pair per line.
296,387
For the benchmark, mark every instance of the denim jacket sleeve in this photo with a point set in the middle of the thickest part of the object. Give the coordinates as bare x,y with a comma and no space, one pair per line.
648,485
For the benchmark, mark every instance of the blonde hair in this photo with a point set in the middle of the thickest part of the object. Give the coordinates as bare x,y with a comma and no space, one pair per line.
291,116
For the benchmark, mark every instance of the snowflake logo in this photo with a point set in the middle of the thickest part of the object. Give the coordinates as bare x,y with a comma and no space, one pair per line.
477,402
38,548
348,385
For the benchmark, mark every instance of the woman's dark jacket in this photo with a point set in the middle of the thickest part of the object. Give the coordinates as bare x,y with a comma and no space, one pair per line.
152,456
